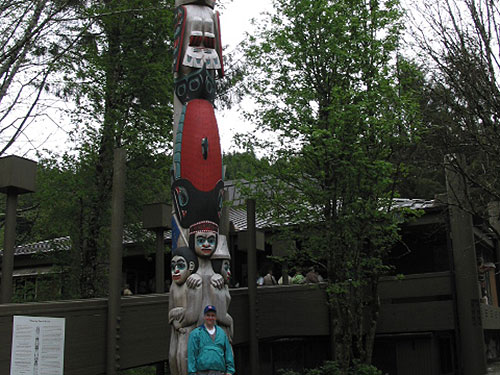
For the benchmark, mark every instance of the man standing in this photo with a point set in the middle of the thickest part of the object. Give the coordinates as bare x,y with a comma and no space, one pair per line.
269,278
209,350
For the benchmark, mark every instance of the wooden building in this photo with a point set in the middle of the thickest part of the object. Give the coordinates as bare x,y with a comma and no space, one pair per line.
439,315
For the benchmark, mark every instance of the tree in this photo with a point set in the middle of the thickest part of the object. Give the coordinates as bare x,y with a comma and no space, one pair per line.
459,43
120,78
34,36
424,176
123,86
330,118
239,164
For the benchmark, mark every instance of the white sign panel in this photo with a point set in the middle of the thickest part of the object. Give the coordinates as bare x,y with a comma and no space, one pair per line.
37,346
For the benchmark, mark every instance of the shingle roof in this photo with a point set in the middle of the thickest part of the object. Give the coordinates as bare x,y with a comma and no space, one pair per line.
237,215
60,243
417,204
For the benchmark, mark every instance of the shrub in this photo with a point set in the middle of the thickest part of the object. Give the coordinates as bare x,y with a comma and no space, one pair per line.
332,368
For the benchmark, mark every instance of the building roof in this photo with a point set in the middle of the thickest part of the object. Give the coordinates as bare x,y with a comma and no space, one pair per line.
417,204
237,215
60,243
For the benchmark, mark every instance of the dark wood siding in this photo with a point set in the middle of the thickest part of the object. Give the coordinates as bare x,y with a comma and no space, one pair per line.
283,312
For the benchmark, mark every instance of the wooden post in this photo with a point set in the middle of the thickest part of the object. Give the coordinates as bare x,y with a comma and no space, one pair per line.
160,261
494,220
471,335
284,273
115,262
224,224
9,245
252,289
17,176
157,217
160,278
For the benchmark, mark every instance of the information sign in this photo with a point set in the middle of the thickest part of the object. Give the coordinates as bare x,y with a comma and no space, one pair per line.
37,346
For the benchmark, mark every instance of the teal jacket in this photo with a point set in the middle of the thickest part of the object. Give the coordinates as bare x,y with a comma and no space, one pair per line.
206,354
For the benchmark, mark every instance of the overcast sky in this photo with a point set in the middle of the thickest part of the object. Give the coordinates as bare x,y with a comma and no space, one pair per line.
49,132
235,22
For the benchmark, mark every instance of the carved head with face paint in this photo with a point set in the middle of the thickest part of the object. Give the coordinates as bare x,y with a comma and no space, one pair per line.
183,264
222,267
203,238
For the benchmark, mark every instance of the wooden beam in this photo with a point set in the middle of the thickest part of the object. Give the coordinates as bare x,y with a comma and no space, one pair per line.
471,336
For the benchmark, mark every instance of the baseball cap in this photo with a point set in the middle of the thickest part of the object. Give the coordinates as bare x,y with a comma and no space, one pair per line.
209,308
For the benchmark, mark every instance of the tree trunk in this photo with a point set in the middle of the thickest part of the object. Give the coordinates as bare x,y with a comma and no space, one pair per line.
97,239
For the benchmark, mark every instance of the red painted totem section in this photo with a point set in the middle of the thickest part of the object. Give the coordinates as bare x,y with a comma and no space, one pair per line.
199,124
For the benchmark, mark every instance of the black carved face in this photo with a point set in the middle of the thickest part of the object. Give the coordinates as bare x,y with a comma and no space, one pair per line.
193,206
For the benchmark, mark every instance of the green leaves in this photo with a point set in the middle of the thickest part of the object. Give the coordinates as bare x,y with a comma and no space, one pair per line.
330,113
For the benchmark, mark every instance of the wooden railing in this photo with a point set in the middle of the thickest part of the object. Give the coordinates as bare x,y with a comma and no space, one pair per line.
414,304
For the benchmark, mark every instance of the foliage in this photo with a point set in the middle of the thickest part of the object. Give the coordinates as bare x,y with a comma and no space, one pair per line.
122,85
332,368
422,170
331,118
240,164
120,79
149,370
35,36
458,44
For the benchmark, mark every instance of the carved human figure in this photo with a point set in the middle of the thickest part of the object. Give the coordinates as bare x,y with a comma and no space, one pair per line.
203,239
197,51
221,297
184,307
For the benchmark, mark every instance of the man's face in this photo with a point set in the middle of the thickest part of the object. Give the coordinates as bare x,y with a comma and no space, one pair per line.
180,270
210,319
205,243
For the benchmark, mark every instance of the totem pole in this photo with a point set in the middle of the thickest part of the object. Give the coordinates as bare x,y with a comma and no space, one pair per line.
197,180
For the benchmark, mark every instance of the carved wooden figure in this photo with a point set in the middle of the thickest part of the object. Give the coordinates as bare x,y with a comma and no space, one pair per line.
184,304
197,179
220,297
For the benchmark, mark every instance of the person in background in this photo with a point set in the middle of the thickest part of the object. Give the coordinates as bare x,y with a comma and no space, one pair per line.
269,278
281,280
126,290
298,278
260,280
313,277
